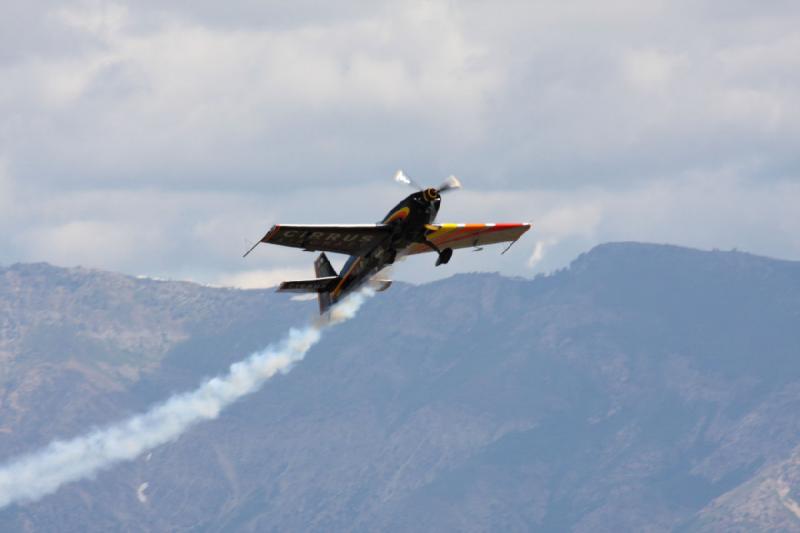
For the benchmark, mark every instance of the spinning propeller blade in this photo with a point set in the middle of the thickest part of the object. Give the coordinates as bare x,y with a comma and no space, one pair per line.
451,183
400,177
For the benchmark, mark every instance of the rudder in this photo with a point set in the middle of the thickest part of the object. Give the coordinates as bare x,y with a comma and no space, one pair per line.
323,269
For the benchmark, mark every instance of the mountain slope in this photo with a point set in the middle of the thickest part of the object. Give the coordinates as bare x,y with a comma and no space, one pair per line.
644,388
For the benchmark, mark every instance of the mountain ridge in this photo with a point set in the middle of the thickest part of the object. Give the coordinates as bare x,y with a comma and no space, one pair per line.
630,391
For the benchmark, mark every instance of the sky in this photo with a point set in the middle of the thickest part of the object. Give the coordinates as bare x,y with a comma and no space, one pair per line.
159,138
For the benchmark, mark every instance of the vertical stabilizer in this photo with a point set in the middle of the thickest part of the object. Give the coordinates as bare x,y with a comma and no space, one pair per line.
324,269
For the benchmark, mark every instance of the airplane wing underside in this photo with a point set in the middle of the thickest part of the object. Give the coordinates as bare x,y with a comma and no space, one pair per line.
350,239
467,236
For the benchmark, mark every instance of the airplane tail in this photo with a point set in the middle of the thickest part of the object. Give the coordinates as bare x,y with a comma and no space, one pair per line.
323,268
323,284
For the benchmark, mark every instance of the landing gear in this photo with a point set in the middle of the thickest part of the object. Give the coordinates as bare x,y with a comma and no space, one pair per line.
444,256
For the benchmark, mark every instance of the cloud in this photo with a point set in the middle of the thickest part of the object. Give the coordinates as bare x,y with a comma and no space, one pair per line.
93,241
6,193
260,279
191,103
651,68
537,255
170,97
167,133
704,210
140,495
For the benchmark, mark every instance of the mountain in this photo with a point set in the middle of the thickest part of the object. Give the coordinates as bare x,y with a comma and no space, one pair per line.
644,388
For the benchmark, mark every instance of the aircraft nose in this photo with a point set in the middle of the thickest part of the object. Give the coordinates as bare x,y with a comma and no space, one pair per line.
430,194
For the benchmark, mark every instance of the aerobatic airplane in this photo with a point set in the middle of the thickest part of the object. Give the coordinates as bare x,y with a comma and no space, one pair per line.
408,229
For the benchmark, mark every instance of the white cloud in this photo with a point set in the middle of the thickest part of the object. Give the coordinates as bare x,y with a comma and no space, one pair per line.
92,242
6,192
187,102
537,255
140,495
704,210
651,68
103,21
155,137
261,279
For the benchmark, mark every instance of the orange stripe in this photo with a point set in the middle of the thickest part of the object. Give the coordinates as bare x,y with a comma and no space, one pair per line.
400,213
465,236
338,288
451,235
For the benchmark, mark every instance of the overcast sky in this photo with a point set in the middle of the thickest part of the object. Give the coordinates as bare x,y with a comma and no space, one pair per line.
155,137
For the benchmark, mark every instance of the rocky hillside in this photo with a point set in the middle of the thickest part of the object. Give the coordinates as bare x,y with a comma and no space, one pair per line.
645,388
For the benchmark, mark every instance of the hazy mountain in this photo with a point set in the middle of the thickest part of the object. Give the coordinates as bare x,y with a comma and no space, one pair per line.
645,388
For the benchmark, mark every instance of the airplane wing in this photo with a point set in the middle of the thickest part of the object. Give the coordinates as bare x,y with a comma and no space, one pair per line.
467,236
350,239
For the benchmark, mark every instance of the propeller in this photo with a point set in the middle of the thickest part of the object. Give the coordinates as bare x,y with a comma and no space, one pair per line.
450,184
400,177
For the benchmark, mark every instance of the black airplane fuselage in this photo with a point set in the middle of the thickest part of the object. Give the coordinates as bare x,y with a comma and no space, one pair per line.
408,220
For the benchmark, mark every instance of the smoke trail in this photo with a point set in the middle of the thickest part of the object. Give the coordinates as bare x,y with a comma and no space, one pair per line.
30,477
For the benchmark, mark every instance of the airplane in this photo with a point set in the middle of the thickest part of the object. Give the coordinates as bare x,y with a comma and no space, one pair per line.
406,230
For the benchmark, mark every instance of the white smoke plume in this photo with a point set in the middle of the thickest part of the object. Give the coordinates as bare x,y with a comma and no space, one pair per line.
32,476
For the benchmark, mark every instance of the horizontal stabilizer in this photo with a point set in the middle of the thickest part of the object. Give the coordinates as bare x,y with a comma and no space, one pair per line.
325,284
